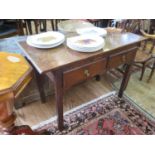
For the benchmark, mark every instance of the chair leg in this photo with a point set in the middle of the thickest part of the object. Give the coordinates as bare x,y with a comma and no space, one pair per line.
142,73
151,74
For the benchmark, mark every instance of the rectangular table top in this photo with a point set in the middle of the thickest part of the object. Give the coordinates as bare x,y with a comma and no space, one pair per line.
46,60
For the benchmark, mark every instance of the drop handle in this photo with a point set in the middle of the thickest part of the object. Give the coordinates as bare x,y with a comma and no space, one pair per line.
86,72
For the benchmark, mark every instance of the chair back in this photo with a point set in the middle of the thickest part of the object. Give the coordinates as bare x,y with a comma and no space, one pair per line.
150,39
127,25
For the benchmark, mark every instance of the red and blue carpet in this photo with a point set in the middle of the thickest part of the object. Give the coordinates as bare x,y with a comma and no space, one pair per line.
103,116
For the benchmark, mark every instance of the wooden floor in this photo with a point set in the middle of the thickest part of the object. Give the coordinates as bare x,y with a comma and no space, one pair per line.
142,92
37,112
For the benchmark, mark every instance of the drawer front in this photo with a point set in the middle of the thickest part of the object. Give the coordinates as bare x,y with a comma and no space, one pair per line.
82,73
121,58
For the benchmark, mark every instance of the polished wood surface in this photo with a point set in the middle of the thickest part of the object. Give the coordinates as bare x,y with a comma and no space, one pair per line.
83,73
11,72
46,60
14,78
125,56
7,117
61,64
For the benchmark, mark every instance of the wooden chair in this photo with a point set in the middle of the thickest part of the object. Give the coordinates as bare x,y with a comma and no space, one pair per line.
96,22
35,26
41,25
144,54
152,26
53,22
28,26
152,67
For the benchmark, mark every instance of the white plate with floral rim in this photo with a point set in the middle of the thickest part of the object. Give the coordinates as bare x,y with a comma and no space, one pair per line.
86,43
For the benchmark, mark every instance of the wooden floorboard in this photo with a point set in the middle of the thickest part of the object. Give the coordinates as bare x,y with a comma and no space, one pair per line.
36,112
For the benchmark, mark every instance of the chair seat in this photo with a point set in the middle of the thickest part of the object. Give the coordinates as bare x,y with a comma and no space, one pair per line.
142,56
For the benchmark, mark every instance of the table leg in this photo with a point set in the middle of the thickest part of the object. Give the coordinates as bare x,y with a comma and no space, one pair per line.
7,117
125,80
56,77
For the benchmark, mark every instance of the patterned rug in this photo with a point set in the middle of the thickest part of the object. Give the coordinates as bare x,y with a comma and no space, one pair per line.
104,116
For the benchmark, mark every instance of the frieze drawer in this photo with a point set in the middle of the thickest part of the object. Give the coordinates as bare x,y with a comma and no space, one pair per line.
76,75
118,59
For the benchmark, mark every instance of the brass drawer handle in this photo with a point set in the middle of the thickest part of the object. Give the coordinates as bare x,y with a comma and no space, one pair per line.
86,72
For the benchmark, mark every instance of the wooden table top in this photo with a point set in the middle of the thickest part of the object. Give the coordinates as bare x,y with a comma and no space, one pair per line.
45,60
12,68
